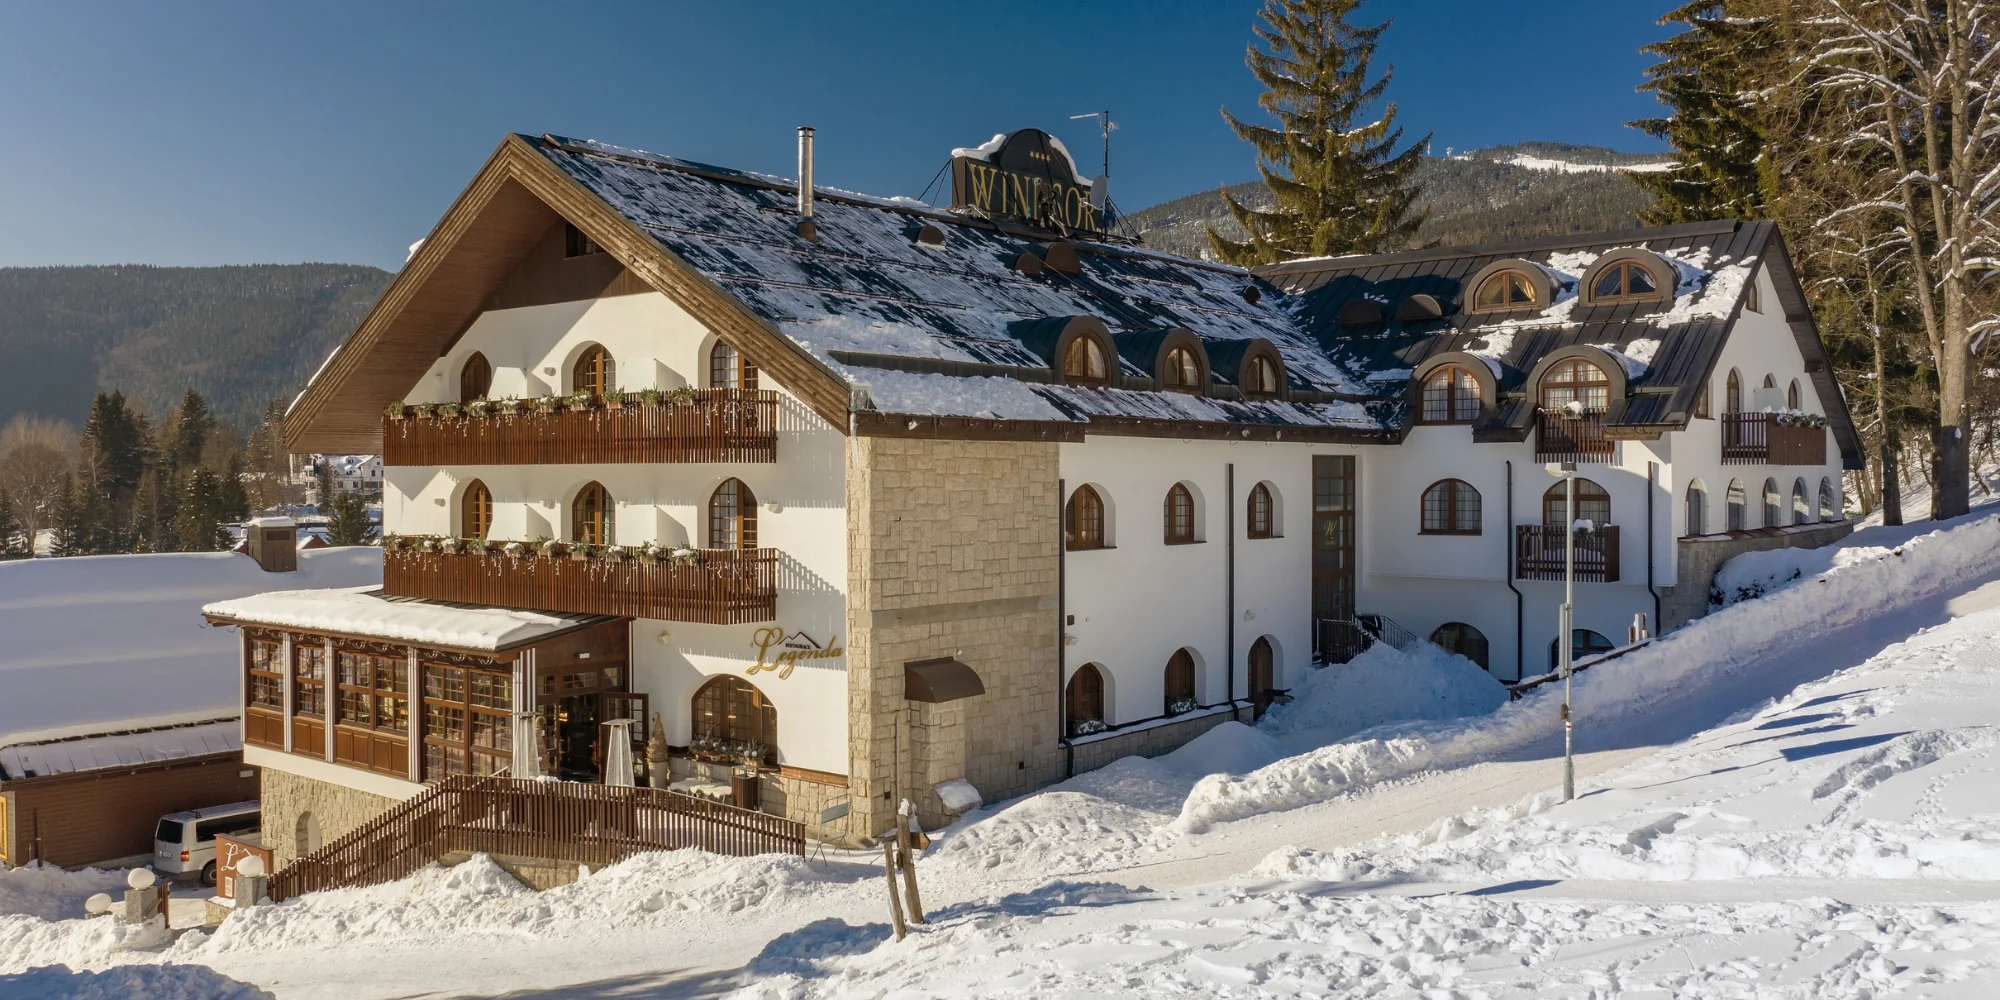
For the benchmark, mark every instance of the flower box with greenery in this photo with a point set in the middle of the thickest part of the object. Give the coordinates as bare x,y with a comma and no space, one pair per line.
580,551
397,410
514,550
1089,726
480,407
1182,706
614,399
583,400
549,404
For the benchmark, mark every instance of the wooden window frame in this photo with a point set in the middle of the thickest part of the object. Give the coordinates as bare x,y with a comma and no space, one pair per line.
732,516
1695,507
1178,514
592,516
1465,635
1509,305
1262,371
372,689
1261,513
1076,361
1702,409
728,368
475,378
1447,387
1732,399
1753,295
1083,520
1179,683
1774,504
1793,396
1180,371
1083,703
309,688
270,694
595,371
1554,500
1736,506
1459,502
453,719
715,711
1576,386
577,243
1625,269
475,511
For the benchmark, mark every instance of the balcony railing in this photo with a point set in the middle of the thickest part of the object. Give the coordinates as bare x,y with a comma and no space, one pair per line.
711,425
1759,439
1560,438
1538,553
715,586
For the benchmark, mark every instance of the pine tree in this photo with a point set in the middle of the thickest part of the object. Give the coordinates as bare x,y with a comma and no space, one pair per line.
71,532
111,457
193,423
349,524
1719,149
1339,187
198,517
235,502
323,483
13,538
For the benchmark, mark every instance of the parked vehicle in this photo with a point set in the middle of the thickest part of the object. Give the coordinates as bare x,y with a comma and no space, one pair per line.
185,841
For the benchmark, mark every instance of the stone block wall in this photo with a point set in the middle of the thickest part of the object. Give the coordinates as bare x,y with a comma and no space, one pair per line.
953,552
335,810
1699,558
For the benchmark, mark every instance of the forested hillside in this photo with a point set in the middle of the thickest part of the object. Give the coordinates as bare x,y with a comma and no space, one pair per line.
1501,193
241,336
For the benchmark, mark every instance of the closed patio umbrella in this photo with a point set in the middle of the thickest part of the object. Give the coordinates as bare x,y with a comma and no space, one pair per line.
618,753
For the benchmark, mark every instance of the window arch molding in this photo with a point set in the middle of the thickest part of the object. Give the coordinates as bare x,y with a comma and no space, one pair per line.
1541,287
1050,337
1264,670
591,367
1732,399
1737,507
1473,365
735,711
1464,639
1264,511
1802,502
1087,699
473,510
1593,503
1697,509
732,516
1085,526
1774,504
1181,681
590,515
1171,356
1794,399
475,377
728,367
1183,514
1662,275
1613,369
1450,507
1239,361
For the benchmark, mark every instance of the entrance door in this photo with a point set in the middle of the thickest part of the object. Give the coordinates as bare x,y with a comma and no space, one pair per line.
577,751
1333,539
1263,677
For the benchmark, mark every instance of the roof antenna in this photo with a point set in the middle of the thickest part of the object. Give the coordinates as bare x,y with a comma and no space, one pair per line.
1100,186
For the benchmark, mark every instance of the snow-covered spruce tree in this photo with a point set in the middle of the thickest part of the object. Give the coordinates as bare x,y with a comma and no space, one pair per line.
13,538
323,484
198,516
1718,146
70,524
1919,75
349,523
1338,187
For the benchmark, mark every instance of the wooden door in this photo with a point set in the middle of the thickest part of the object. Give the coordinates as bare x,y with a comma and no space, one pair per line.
1334,522
1263,676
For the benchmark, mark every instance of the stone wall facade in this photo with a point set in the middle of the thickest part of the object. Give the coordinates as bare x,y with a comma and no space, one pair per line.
954,552
334,811
1699,558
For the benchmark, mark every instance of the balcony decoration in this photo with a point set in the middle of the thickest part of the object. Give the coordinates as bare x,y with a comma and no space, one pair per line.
1799,418
480,407
716,750
549,404
614,553
514,550
614,399
677,583
548,547
398,410
684,424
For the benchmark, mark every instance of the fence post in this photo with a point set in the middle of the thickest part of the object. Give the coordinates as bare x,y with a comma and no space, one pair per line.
889,876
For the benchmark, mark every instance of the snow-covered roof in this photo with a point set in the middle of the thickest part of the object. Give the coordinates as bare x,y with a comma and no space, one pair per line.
42,758
363,611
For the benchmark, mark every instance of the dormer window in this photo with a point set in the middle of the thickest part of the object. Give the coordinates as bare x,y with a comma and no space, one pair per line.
1579,382
1181,371
1083,361
1262,379
1624,281
1503,291
1451,396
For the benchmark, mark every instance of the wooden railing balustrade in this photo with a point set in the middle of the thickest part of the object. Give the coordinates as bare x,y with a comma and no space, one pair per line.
1538,553
1560,438
717,425
1759,439
562,821
724,587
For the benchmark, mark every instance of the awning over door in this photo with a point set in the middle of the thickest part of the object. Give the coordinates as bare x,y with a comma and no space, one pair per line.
940,680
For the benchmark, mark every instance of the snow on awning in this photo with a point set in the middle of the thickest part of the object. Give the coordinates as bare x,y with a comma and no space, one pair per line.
113,750
363,611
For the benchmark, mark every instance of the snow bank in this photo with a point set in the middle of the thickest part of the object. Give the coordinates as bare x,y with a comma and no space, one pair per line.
53,893
118,642
153,982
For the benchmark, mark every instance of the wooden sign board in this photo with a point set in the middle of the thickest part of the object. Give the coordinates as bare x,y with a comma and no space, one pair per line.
1028,178
229,852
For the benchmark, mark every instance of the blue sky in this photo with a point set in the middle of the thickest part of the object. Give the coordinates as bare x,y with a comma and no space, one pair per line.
211,133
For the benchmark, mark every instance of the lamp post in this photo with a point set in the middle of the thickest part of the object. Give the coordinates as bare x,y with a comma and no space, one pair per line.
1566,471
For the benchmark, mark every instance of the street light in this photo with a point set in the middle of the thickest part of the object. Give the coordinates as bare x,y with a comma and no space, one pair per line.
1566,471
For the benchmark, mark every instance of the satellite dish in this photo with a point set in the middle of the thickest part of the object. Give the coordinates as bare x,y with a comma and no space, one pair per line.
1100,191
140,878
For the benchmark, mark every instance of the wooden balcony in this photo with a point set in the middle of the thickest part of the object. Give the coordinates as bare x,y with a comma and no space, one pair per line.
1560,438
716,425
1759,439
1538,553
720,587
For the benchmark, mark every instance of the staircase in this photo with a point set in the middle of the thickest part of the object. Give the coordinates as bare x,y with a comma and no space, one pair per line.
561,821
1343,639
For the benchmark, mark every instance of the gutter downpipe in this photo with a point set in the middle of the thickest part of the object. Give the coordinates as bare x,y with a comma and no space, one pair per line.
1652,473
1062,636
1229,620
1507,537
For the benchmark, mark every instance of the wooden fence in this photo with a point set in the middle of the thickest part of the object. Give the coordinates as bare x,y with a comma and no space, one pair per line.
725,586
1759,439
558,821
717,425
1538,553
1559,438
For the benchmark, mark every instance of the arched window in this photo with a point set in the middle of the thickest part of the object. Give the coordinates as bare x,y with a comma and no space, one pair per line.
1083,520
1182,371
475,378
1180,683
1083,700
1697,509
731,711
1739,503
1701,407
1773,504
1792,396
729,369
1624,282
1083,361
1451,507
1770,381
1583,642
1579,381
1451,396
1829,501
1263,676
1802,511
594,372
732,516
305,836
1463,639
1178,513
1592,504
590,516
1262,379
475,511
1504,290
1263,513
1732,401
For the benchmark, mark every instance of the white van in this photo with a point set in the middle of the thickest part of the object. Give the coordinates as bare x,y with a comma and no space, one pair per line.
185,841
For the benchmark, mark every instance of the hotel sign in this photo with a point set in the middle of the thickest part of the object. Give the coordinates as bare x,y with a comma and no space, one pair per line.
790,651
1027,178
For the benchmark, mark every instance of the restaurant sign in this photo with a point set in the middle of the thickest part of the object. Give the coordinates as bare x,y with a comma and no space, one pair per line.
779,651
230,853
1025,176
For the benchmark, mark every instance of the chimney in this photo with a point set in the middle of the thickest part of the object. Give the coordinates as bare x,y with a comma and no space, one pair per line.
805,171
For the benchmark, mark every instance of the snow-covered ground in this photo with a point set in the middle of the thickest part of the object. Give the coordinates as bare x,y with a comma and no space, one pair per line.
1792,797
